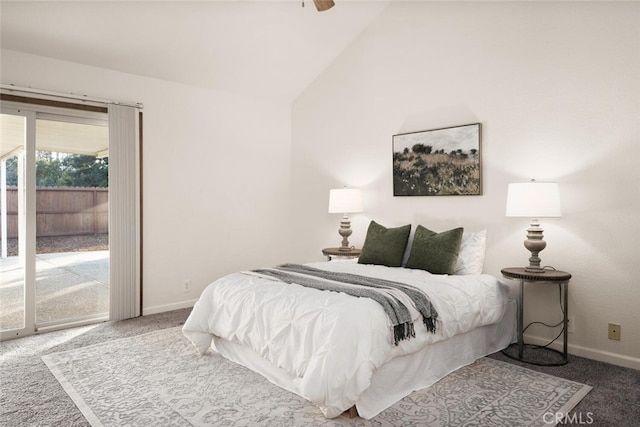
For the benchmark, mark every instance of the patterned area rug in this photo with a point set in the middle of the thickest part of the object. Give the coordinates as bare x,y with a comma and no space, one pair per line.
158,379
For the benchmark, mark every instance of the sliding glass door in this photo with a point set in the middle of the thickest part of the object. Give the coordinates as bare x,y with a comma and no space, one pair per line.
55,254
17,267
72,253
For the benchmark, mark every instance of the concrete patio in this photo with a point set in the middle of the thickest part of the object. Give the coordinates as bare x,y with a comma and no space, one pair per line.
69,285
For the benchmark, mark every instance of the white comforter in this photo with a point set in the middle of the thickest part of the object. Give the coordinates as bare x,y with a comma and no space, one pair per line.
332,342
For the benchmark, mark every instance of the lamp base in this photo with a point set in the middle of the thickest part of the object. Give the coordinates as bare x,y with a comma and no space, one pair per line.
534,244
345,232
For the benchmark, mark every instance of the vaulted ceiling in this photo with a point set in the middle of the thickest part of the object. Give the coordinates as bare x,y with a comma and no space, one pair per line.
262,48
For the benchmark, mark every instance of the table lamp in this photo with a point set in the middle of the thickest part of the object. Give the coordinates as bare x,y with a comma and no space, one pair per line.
534,200
344,201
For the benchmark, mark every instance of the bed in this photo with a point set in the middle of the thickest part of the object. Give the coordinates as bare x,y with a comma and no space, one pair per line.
339,351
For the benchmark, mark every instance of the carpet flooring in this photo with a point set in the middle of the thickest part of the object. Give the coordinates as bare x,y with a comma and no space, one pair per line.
31,396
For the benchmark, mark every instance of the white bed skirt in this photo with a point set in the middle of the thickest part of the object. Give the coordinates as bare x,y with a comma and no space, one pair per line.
402,375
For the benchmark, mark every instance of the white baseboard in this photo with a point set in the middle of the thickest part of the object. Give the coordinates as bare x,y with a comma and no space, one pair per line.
589,353
168,307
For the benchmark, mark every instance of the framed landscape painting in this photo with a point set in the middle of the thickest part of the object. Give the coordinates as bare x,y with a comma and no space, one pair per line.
439,162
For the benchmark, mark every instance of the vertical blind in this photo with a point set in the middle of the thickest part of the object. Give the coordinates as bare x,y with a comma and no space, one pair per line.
124,212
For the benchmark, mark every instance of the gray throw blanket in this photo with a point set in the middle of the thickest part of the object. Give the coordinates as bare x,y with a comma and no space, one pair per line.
369,287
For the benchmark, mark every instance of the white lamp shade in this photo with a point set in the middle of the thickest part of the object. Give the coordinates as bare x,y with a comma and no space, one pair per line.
345,200
533,199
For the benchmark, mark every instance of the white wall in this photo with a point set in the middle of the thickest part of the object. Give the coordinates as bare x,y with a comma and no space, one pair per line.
557,89
216,174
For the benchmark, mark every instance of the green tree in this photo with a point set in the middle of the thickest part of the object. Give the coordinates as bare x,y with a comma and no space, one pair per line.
86,171
70,170
12,171
49,173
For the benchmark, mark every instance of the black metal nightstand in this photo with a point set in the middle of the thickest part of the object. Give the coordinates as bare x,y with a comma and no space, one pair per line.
552,276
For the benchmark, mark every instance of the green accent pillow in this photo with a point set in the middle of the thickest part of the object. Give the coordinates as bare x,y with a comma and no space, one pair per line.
384,246
434,252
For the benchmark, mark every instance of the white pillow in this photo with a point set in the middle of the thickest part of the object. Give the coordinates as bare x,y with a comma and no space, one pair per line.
471,255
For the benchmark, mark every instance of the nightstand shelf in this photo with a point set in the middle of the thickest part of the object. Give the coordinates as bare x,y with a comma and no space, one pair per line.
338,253
548,276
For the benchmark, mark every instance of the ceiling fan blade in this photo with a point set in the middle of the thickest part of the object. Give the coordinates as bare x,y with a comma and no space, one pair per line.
322,5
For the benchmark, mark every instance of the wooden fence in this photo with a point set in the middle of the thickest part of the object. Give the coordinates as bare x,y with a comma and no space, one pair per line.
63,211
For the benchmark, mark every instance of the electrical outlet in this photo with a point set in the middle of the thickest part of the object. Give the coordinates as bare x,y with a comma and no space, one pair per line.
571,328
614,331
187,286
